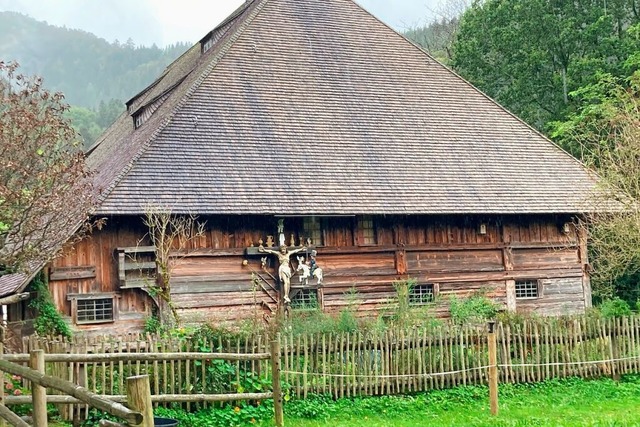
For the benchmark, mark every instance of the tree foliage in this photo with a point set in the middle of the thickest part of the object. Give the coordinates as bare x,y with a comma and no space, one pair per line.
438,36
606,131
530,55
45,190
90,123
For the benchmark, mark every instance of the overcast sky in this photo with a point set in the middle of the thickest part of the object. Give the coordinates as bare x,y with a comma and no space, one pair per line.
168,21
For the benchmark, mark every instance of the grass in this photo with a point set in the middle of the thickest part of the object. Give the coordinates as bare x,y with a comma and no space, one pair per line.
571,402
561,403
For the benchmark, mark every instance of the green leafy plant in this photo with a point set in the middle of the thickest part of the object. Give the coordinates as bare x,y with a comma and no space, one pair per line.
49,320
474,308
615,307
153,325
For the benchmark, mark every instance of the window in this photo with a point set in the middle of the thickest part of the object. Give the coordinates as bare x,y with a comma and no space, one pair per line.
527,289
366,231
421,294
313,230
208,44
95,310
304,299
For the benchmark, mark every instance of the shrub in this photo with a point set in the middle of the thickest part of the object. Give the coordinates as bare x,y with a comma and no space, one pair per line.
615,307
474,308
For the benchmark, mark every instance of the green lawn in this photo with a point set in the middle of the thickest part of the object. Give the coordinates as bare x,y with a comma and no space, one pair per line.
571,402
558,403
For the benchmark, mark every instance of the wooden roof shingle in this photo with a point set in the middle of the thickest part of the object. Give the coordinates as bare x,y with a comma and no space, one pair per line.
316,107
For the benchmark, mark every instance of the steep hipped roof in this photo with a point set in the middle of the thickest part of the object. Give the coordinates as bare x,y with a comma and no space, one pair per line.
316,107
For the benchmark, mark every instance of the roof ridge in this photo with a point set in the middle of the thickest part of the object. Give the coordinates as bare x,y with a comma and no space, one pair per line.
194,86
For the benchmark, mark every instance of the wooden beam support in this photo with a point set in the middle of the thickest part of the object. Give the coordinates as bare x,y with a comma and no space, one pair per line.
12,418
12,299
38,392
493,368
139,399
277,387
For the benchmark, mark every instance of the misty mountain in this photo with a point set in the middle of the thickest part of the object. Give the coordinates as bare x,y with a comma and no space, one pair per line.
87,69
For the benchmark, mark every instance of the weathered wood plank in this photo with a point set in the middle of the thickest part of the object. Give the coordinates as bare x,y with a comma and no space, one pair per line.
72,273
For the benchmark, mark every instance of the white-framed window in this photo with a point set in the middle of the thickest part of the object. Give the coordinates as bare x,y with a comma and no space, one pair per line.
527,289
366,230
421,294
312,227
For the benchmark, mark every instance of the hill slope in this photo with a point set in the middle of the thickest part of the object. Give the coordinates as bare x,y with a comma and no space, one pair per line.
86,68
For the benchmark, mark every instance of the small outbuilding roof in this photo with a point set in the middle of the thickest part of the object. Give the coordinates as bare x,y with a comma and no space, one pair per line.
316,107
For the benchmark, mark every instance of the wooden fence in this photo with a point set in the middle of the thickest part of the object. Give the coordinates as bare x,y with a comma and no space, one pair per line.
404,361
179,376
349,364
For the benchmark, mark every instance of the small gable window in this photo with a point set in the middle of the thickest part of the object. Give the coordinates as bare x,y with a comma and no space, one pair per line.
313,230
527,289
422,294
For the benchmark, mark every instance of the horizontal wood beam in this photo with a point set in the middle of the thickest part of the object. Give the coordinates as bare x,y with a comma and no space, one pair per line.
14,298
346,250
160,398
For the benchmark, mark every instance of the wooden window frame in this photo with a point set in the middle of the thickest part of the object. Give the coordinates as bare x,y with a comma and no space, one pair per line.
309,230
362,234
75,298
532,283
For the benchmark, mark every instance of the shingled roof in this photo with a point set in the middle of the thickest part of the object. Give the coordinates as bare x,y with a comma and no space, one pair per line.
316,107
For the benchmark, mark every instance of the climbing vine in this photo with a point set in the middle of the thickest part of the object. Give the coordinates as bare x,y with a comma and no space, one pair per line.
49,320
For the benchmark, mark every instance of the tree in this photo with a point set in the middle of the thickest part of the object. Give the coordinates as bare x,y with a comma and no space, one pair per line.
437,37
607,132
170,235
530,55
45,188
84,121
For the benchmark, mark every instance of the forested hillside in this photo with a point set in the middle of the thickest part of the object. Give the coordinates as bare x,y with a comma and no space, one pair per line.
96,76
87,69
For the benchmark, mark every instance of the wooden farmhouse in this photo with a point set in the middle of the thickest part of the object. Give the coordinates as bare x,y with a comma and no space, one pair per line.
311,123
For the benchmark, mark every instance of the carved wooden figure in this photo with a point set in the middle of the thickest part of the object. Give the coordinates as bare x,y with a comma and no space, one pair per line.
306,272
284,271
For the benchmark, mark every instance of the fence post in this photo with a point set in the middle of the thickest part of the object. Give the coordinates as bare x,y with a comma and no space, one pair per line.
275,378
139,398
2,336
38,393
493,368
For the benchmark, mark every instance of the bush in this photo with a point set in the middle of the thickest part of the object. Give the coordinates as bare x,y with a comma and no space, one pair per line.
475,308
615,307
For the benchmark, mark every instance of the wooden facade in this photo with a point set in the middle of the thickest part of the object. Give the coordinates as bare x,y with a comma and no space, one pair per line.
210,283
